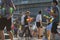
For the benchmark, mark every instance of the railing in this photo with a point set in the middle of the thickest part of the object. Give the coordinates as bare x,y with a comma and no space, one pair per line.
29,1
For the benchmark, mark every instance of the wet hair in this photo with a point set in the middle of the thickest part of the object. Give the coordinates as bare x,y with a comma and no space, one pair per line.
40,12
54,1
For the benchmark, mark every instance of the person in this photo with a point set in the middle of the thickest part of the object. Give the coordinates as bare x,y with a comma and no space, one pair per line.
22,20
39,24
16,26
55,14
26,25
49,20
48,28
34,30
5,18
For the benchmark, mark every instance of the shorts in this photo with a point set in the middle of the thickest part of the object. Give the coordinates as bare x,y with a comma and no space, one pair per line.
22,27
49,26
38,24
5,23
54,27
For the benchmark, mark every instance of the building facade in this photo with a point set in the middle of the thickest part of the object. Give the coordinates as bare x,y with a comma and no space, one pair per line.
32,5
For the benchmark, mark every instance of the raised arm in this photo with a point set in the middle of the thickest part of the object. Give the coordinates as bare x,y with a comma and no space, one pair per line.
13,5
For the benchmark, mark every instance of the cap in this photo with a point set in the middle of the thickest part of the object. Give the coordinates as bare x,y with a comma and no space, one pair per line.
27,12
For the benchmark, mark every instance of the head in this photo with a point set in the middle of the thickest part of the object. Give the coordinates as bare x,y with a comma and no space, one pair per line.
27,13
40,12
55,2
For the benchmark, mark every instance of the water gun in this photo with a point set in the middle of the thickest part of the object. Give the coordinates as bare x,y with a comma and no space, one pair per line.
45,16
29,19
51,19
49,9
20,27
3,10
0,7
11,10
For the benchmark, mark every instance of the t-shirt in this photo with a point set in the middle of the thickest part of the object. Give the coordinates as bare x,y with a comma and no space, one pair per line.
38,18
56,11
22,19
5,8
25,20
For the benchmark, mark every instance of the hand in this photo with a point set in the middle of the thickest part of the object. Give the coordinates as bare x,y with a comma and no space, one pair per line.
41,24
14,8
8,18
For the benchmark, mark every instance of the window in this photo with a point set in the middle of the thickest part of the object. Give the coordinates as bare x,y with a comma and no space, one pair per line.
24,0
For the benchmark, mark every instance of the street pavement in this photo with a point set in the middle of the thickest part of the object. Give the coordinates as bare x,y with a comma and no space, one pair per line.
14,39
19,38
35,38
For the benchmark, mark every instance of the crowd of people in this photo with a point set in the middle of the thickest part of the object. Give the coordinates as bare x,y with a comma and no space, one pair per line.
7,8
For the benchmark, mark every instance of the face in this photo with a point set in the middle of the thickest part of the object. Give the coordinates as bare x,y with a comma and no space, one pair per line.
27,13
54,4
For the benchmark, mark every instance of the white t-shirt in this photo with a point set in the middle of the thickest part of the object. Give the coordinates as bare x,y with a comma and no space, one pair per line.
22,19
39,18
